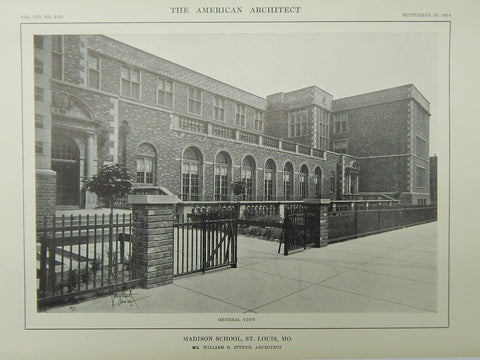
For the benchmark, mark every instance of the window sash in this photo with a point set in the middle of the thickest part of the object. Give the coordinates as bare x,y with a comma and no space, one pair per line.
219,109
287,185
190,180
258,115
303,184
297,123
318,185
340,146
145,170
240,115
57,66
194,101
130,82
165,93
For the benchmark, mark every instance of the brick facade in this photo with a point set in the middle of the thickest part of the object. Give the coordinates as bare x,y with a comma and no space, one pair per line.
45,187
107,126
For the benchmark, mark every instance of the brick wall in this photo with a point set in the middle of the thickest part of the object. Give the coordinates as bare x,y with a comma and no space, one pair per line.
74,59
157,65
384,174
376,130
153,126
45,192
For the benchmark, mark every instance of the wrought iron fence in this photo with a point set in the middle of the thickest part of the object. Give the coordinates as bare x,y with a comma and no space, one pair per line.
205,239
78,255
343,225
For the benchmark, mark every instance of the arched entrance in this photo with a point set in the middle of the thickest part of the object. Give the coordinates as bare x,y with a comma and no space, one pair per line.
66,163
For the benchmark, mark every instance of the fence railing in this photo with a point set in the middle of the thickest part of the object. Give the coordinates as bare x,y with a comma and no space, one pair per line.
205,239
357,205
343,225
82,254
210,128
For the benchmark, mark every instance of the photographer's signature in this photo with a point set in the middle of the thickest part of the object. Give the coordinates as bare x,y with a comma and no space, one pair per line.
124,297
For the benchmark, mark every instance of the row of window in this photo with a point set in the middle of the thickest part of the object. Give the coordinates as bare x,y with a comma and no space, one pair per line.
192,170
130,87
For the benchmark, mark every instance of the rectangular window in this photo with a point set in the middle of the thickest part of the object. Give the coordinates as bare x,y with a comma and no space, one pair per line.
421,176
421,147
130,82
218,108
190,181
268,185
297,123
93,71
195,101
38,66
287,185
38,93
340,122
38,41
144,170
221,183
303,185
323,118
240,115
39,121
258,120
38,147
247,178
57,57
340,146
165,93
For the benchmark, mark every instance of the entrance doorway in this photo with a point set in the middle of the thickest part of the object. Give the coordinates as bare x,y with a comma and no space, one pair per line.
65,162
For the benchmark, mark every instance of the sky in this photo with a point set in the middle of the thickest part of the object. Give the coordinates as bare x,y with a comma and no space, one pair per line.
343,64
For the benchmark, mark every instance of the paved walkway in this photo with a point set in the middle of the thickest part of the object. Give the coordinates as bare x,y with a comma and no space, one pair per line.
390,272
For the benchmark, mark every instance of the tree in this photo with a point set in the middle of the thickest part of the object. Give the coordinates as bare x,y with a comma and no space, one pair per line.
111,182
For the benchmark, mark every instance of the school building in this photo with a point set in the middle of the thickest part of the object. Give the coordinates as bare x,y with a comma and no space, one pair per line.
98,100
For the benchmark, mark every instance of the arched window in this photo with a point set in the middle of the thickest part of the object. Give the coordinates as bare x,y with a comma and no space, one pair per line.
191,171
146,162
332,183
303,178
288,180
269,179
248,177
223,164
318,182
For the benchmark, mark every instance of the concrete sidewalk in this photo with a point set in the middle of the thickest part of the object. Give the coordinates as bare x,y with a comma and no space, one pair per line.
390,272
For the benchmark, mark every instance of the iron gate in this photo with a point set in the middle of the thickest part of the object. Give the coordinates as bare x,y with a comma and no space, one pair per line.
301,227
205,240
